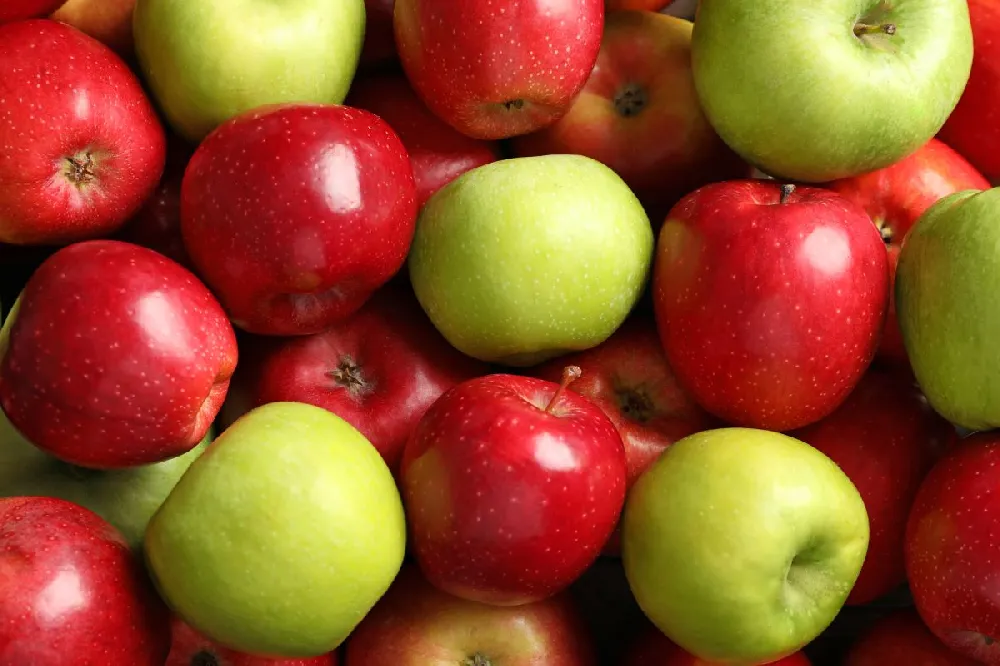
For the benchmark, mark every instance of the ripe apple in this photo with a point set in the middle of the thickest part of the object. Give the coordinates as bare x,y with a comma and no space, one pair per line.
895,197
817,90
281,536
902,638
437,151
83,147
682,8
741,545
73,592
107,21
380,41
512,486
945,304
639,114
885,438
769,300
568,249
189,648
950,557
18,10
416,624
495,74
207,62
114,356
652,648
312,208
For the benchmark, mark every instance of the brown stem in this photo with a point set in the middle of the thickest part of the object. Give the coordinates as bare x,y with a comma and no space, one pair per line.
569,375
874,29
786,191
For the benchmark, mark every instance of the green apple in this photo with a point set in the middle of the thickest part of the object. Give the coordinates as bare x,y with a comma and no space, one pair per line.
948,306
282,536
741,545
206,61
526,259
814,90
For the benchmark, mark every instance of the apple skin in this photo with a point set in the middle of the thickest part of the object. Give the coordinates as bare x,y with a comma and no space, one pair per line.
18,10
132,374
416,624
107,21
742,545
902,638
312,206
380,41
504,73
639,114
652,648
437,151
886,439
74,594
814,91
512,486
189,648
83,147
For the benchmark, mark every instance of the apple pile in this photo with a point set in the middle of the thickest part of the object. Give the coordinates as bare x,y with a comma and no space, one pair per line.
500,333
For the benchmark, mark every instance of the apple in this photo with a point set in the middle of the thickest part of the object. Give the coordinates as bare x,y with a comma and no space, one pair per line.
639,114
526,259
416,624
769,300
886,439
295,214
281,536
73,592
682,8
437,151
18,10
189,648
495,74
895,197
114,356
108,21
206,62
817,90
643,5
652,648
902,638
945,304
83,147
512,486
950,559
741,545
379,47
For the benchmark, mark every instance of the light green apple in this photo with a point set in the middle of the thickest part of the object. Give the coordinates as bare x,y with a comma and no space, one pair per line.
282,536
206,61
814,90
948,306
526,259
742,545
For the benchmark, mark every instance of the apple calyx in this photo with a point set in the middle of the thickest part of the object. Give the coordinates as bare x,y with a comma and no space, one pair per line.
630,100
204,658
348,376
477,659
635,404
513,104
81,168
569,375
787,189
861,29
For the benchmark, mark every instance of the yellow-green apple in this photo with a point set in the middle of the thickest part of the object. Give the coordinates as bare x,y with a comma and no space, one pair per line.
18,10
190,648
652,648
82,146
107,21
901,637
496,72
817,90
568,249
294,247
742,545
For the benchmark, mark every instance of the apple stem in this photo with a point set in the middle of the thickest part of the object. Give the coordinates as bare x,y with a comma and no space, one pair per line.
569,375
874,28
80,169
204,658
786,191
478,659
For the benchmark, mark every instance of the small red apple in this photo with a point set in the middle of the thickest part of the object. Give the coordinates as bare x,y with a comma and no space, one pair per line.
295,214
902,638
380,42
492,71
769,300
107,21
74,593
18,10
190,648
512,486
652,648
82,147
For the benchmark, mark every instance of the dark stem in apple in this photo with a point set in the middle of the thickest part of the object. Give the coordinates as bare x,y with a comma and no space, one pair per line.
477,659
569,375
80,169
513,104
635,404
630,100
862,28
786,191
348,376
204,658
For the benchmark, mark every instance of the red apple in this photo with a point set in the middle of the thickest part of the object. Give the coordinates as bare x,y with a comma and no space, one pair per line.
492,71
18,10
512,486
74,594
438,152
769,300
82,145
902,638
886,438
639,114
190,648
415,624
294,214
951,558
380,42
380,370
652,648
107,21
895,197
116,357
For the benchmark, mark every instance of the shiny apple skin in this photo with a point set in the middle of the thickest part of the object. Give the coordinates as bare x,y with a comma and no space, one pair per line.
652,648
190,648
902,638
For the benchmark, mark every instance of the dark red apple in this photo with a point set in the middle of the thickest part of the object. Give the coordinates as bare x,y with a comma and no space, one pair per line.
652,648
415,624
190,648
18,10
512,486
438,152
494,72
380,41
295,214
115,357
769,300
902,638
74,593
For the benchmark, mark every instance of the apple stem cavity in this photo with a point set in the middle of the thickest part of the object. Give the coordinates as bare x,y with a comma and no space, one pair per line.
80,169
630,100
348,375
787,189
478,659
569,375
204,658
861,29
513,104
